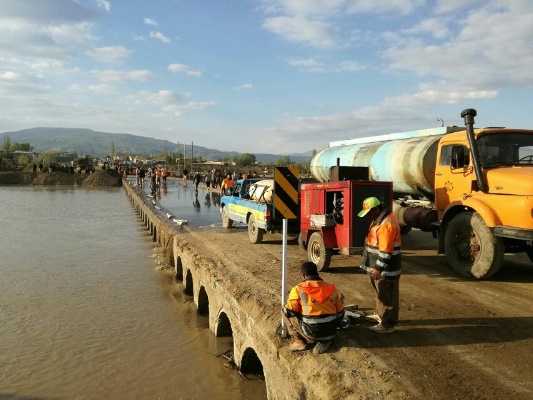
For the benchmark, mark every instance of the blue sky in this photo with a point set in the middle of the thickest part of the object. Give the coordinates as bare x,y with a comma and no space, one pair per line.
264,76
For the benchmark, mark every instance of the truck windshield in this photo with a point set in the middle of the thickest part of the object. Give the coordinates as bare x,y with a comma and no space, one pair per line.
505,149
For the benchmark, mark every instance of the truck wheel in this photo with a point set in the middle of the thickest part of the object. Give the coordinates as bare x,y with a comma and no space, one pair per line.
254,232
226,222
317,252
471,247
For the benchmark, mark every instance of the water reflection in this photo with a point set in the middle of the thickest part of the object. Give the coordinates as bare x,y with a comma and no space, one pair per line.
97,320
185,203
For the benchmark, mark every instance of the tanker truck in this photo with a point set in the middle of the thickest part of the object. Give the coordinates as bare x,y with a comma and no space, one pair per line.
472,188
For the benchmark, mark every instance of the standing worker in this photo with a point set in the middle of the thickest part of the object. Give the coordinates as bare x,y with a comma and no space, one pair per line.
313,311
382,259
226,183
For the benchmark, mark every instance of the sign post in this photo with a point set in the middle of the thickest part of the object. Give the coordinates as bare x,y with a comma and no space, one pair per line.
284,275
286,204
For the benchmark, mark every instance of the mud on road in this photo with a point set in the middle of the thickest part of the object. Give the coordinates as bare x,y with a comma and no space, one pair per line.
457,338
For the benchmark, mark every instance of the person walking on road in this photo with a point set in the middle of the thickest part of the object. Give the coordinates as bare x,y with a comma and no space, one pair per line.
196,180
382,261
313,311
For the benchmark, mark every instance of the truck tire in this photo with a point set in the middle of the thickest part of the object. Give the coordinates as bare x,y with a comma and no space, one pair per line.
254,232
317,252
471,247
226,222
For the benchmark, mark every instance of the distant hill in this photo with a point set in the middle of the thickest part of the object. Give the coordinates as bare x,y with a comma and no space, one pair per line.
98,144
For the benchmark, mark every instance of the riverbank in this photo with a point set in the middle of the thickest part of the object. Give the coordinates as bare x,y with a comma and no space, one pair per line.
107,177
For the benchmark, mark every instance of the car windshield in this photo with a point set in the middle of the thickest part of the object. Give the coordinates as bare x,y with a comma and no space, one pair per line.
506,149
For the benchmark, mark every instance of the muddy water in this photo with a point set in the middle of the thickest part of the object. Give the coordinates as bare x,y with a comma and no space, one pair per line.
86,314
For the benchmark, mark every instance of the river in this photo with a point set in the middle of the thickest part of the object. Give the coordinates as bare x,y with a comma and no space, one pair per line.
85,311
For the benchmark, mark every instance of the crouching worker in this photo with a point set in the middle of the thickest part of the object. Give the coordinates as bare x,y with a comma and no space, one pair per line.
313,311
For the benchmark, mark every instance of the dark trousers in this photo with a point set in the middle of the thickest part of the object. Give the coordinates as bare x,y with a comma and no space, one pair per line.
293,328
387,300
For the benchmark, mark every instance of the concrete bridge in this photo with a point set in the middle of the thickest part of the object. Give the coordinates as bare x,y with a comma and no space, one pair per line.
226,292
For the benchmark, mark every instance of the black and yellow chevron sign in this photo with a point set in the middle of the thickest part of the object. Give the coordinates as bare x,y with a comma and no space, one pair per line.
286,192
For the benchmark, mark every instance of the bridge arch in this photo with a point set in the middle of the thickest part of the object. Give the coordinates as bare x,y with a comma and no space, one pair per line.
250,363
188,287
223,325
178,269
203,302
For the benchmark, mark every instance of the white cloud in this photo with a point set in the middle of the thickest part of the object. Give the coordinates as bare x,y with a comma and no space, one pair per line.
313,65
150,21
9,75
122,76
109,54
170,103
485,52
449,6
178,110
184,69
162,97
159,36
307,65
324,8
403,7
348,66
301,30
103,4
305,7
244,86
437,27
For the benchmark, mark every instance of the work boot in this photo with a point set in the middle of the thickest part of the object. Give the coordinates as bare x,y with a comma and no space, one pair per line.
297,344
382,329
321,347
373,318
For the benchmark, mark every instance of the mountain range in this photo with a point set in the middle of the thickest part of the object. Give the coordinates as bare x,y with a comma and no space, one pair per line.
98,144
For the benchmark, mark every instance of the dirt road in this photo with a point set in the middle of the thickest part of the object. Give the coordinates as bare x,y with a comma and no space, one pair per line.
457,338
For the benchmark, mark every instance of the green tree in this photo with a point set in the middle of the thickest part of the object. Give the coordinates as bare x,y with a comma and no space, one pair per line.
48,157
245,160
284,161
19,146
304,167
23,160
7,143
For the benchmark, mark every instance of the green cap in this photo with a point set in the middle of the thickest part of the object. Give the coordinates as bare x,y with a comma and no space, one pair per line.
369,204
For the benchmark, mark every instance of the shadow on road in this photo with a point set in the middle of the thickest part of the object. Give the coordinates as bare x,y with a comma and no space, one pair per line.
446,332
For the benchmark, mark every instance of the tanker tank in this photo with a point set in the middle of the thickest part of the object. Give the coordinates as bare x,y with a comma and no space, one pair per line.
406,159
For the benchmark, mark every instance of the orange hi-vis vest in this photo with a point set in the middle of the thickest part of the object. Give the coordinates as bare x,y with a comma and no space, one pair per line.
320,307
383,245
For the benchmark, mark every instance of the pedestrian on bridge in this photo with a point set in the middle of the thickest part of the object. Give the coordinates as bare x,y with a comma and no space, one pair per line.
313,311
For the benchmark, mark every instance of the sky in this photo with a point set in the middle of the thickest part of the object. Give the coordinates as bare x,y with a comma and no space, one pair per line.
264,76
